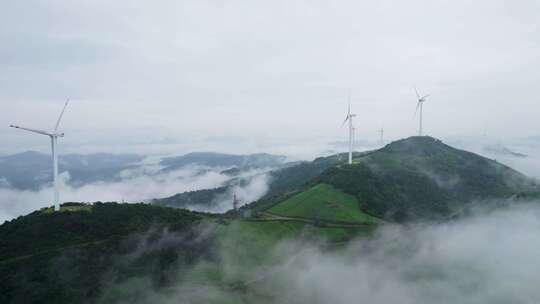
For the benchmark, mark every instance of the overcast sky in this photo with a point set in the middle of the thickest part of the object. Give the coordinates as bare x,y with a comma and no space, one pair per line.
256,74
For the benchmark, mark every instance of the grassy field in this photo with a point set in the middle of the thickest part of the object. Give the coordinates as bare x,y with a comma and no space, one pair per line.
245,245
68,208
323,202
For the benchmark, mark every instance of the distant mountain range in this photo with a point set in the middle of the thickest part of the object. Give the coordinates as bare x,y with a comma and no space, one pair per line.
498,149
210,159
32,170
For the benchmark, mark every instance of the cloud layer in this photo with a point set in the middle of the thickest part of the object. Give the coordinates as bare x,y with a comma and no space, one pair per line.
489,257
137,185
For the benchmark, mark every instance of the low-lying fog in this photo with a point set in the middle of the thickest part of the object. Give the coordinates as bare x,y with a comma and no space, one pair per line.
137,185
489,257
522,155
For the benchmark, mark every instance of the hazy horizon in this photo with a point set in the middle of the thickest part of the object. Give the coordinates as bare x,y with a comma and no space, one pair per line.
234,76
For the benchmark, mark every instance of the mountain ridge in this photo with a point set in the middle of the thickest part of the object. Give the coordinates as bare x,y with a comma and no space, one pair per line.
416,178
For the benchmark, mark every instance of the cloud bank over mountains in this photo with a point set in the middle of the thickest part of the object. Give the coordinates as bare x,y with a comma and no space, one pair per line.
142,182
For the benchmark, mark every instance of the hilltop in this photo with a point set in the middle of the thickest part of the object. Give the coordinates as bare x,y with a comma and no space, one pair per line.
413,178
416,177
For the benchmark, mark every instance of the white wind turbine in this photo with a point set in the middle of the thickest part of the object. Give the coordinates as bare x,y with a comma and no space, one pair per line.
54,137
351,128
420,106
381,133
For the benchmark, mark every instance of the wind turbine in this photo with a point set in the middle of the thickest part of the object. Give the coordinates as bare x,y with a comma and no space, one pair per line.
54,137
381,132
349,118
420,106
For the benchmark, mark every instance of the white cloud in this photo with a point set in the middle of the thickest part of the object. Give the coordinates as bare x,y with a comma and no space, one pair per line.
256,185
136,186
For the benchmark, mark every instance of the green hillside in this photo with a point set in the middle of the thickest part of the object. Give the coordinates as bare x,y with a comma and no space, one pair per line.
323,202
420,177
409,179
113,253
64,256
97,222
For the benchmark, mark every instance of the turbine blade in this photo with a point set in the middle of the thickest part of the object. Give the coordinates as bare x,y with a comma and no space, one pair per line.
425,96
61,114
417,94
349,100
31,130
346,118
348,108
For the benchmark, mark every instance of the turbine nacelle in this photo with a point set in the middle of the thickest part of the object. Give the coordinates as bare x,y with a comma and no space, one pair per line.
420,98
423,98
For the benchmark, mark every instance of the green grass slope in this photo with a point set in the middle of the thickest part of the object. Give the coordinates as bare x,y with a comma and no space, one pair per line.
323,202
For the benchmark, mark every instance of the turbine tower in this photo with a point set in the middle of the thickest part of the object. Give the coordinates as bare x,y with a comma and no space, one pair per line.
381,132
54,137
353,138
420,106
349,118
235,203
